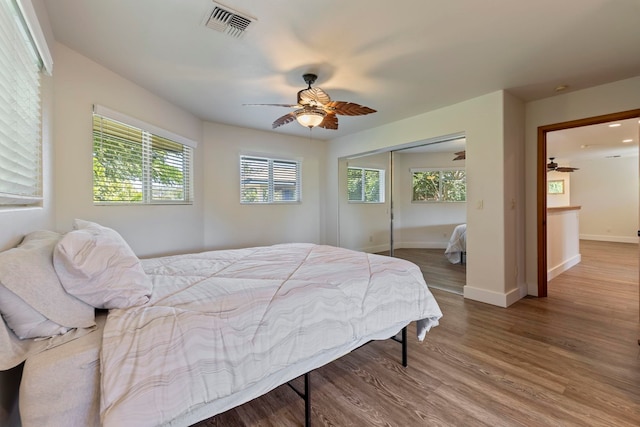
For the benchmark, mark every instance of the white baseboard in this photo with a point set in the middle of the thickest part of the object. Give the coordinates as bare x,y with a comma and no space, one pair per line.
420,245
617,239
494,298
561,268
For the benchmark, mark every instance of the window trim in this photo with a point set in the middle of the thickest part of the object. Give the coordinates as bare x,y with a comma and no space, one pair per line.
35,30
270,180
132,121
381,189
443,169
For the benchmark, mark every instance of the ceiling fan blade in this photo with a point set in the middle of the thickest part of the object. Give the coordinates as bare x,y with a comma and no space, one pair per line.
348,108
565,169
314,96
330,122
460,155
287,118
274,105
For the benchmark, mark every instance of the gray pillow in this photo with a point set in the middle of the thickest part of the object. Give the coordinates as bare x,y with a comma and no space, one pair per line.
27,272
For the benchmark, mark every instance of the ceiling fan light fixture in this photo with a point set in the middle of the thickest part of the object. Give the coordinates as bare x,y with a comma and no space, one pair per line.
310,118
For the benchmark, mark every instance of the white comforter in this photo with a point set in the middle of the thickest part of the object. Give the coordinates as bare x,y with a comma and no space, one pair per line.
224,327
457,244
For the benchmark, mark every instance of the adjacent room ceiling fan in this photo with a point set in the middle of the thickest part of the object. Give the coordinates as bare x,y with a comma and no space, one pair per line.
460,155
553,166
315,108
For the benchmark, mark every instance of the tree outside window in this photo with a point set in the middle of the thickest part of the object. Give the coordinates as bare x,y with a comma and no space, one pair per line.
365,185
132,165
435,185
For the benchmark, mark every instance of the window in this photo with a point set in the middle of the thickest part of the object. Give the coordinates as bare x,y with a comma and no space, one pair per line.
136,163
23,55
439,185
365,185
264,180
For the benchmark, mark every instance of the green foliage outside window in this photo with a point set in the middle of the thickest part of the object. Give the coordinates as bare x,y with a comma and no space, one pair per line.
134,166
365,185
439,186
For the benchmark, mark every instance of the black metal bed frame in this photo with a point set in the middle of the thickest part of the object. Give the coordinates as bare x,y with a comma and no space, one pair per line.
306,395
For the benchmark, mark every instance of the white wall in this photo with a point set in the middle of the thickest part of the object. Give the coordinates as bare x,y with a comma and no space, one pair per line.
607,190
605,99
482,120
364,226
227,223
150,230
423,224
513,199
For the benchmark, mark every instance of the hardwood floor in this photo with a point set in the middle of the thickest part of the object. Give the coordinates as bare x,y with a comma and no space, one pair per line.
438,272
571,359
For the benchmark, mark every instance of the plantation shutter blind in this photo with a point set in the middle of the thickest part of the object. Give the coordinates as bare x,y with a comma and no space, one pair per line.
135,162
23,53
172,182
117,161
254,180
285,181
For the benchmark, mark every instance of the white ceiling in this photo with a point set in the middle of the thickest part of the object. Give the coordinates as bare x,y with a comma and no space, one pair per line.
401,58
601,141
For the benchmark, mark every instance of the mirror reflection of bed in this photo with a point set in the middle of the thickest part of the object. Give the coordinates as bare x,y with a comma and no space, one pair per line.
456,251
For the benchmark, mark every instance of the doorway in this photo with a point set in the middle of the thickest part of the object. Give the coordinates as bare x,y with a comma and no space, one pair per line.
542,168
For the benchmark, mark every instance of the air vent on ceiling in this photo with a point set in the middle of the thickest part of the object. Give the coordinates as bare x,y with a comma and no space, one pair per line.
228,21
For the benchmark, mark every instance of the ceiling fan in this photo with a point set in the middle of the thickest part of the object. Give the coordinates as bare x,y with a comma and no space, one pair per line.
553,166
315,108
460,155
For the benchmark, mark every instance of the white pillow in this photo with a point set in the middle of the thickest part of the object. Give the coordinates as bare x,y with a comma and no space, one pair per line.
33,302
23,320
95,264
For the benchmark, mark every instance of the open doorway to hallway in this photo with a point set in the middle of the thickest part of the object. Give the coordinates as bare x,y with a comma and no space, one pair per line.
570,147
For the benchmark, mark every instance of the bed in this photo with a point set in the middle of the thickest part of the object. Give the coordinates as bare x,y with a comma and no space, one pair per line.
456,251
212,330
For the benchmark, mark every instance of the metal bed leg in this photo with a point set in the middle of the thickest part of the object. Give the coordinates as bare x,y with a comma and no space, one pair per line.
404,347
306,396
403,342
307,401
307,383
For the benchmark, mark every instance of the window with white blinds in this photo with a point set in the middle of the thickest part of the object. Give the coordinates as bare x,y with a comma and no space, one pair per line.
21,53
264,180
365,185
132,165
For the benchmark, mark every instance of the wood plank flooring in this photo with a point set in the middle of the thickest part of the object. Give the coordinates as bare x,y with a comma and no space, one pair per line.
571,359
438,272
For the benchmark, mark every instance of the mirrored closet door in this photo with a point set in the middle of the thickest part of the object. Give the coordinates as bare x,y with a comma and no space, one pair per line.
409,203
